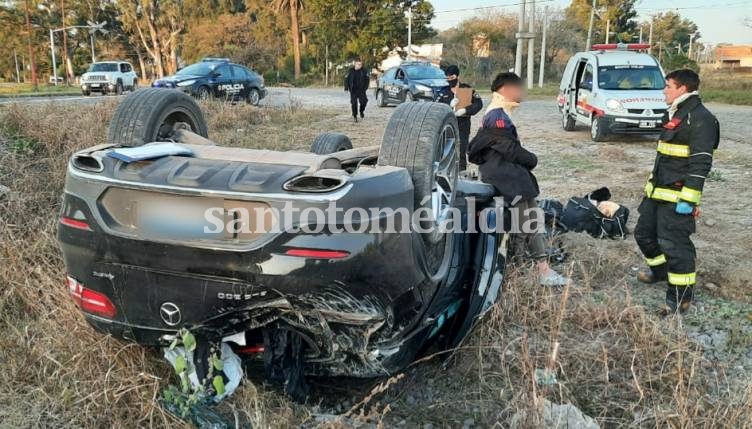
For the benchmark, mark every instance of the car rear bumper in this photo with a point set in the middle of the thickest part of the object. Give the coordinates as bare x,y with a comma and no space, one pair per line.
615,124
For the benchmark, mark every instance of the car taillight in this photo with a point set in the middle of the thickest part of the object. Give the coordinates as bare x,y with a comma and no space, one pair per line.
318,253
75,223
90,301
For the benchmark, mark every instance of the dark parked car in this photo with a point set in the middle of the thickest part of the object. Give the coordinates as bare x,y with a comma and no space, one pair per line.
217,78
322,301
412,81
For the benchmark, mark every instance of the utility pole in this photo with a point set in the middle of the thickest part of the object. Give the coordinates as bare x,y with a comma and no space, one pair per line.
590,27
650,37
409,29
531,48
18,74
520,29
608,29
54,62
326,65
640,33
543,48
65,44
32,60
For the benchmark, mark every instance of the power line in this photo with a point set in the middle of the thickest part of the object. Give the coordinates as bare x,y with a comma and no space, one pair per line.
498,6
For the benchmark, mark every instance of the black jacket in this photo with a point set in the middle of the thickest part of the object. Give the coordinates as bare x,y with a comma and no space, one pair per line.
356,80
504,163
685,149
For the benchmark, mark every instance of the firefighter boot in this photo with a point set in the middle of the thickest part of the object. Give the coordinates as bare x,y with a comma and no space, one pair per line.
678,300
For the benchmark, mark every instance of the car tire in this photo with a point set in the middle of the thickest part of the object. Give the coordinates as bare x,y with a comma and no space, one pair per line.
203,93
86,93
327,143
568,122
409,97
380,102
254,97
597,133
422,137
134,87
151,115
119,88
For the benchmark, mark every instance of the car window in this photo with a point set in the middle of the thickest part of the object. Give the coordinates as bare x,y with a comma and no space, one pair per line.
240,72
400,75
198,69
103,67
630,77
389,74
587,77
424,72
224,71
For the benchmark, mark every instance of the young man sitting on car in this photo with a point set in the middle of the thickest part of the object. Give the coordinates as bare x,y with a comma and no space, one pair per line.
506,165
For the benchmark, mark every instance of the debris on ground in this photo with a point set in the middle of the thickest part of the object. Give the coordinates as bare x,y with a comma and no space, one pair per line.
555,416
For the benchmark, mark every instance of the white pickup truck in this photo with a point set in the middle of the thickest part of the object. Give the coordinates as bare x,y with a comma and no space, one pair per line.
109,77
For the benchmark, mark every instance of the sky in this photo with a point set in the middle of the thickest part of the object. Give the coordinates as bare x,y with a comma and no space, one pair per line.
718,20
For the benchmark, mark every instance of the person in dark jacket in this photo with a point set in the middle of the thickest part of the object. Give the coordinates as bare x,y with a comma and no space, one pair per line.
667,212
463,114
356,82
505,164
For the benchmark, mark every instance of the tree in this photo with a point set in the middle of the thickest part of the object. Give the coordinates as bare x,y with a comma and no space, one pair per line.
291,7
673,31
29,38
620,14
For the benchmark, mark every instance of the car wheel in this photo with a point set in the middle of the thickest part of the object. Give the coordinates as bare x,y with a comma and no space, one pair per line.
151,115
567,122
135,86
422,137
254,97
86,93
203,93
597,133
330,143
119,88
380,98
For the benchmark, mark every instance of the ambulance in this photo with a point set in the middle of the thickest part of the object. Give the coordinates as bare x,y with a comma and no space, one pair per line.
613,89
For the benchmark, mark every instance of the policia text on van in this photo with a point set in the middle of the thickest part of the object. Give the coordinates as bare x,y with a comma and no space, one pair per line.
674,189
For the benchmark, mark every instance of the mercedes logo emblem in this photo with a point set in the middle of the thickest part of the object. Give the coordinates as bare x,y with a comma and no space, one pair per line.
649,112
170,313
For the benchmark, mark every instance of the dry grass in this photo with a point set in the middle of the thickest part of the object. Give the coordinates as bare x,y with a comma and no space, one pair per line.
610,356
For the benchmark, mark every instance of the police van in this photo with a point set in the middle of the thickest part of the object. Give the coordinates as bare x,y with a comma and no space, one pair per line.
613,89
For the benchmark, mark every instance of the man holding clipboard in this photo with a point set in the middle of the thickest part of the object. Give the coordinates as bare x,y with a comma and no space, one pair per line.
466,103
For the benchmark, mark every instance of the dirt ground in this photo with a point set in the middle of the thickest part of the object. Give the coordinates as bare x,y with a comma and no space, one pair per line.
596,345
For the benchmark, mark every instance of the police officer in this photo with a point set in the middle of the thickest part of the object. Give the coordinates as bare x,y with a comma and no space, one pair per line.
452,74
667,212
356,82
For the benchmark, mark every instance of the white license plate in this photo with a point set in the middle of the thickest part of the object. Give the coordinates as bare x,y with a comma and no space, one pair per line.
95,85
647,124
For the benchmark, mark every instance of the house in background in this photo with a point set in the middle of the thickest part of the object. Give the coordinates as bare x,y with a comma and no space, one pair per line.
733,57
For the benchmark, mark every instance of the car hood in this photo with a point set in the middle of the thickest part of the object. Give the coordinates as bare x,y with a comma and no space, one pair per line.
433,83
636,99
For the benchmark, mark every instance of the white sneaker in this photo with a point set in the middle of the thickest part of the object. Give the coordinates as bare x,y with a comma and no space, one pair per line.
552,278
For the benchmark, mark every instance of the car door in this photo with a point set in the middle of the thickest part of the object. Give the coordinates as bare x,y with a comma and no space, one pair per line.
222,81
387,83
241,81
400,85
585,94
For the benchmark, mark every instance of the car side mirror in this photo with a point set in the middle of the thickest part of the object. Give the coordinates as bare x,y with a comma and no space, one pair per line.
215,74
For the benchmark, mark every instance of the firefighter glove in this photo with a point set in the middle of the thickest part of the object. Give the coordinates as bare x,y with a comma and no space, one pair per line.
683,207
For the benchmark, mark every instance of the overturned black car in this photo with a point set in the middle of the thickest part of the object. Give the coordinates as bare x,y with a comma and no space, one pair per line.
344,298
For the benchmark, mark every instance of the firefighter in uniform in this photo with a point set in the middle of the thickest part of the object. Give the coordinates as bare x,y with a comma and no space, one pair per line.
674,189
